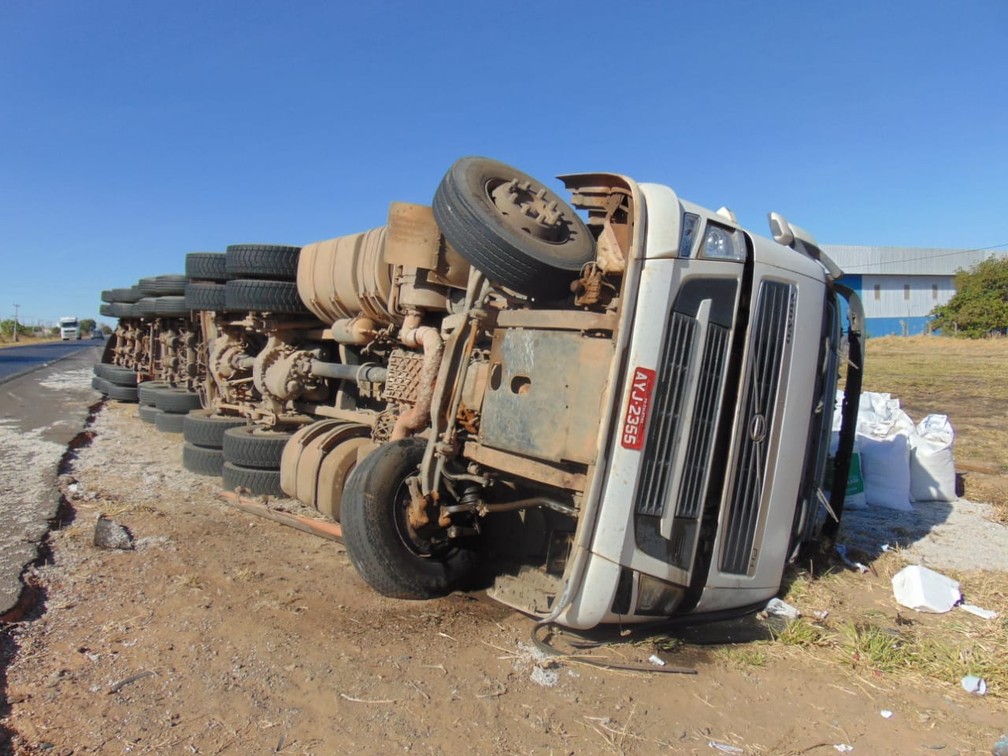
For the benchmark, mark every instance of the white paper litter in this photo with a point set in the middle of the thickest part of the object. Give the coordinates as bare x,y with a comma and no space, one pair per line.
925,590
975,685
986,614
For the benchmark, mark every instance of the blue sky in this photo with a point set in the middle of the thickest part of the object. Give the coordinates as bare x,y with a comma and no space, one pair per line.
134,132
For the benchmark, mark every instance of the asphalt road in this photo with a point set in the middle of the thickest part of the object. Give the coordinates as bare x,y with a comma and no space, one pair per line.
17,360
41,410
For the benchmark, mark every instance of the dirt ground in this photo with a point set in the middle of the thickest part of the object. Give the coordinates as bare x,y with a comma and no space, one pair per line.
226,633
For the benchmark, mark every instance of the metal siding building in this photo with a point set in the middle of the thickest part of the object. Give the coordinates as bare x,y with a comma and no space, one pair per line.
899,286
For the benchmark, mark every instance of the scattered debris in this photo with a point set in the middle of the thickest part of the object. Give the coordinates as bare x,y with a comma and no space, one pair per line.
109,534
925,590
1000,747
986,614
778,608
724,747
975,685
123,683
843,748
656,660
841,551
886,714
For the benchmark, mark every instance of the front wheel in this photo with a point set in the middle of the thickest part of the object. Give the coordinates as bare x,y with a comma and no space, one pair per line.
392,557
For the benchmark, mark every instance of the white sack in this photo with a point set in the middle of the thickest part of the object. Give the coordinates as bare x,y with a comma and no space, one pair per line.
885,465
932,467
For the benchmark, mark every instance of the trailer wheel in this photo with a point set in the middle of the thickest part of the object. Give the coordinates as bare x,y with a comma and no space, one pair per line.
205,266
256,482
177,401
148,413
271,261
391,556
120,393
202,427
243,295
168,422
248,446
120,376
202,461
205,296
171,284
519,233
147,391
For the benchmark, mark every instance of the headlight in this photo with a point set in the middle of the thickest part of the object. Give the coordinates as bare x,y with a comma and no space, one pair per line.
723,243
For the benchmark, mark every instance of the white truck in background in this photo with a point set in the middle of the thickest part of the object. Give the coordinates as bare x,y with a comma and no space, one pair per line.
69,328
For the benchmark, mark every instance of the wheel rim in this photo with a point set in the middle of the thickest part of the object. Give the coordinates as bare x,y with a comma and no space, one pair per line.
418,542
528,207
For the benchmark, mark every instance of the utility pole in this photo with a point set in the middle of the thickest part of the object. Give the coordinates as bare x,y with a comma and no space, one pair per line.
15,321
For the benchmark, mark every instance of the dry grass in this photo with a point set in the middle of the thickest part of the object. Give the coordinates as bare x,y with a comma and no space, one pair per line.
899,646
961,378
27,340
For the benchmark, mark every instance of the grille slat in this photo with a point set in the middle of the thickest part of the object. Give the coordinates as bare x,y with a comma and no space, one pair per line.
704,420
770,334
653,491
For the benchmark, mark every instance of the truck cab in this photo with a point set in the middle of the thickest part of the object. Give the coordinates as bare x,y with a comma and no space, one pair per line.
69,328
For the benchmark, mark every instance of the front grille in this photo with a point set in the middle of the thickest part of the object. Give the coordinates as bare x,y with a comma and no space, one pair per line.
653,490
771,334
711,372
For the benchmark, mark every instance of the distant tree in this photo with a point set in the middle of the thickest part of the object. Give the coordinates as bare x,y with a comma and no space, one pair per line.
7,329
980,304
87,325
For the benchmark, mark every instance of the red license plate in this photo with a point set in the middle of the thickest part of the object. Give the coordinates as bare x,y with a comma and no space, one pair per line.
638,406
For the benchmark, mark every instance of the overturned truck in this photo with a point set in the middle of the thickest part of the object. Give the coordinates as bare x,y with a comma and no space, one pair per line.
620,418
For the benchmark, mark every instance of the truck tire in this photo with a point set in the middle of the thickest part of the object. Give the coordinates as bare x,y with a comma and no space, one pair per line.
148,413
119,375
527,239
99,384
168,422
172,284
121,393
391,557
128,295
277,263
263,296
172,306
249,446
256,482
147,392
205,266
205,296
144,308
123,310
201,460
176,401
203,428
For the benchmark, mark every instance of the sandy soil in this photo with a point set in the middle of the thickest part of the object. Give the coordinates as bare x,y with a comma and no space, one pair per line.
226,633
